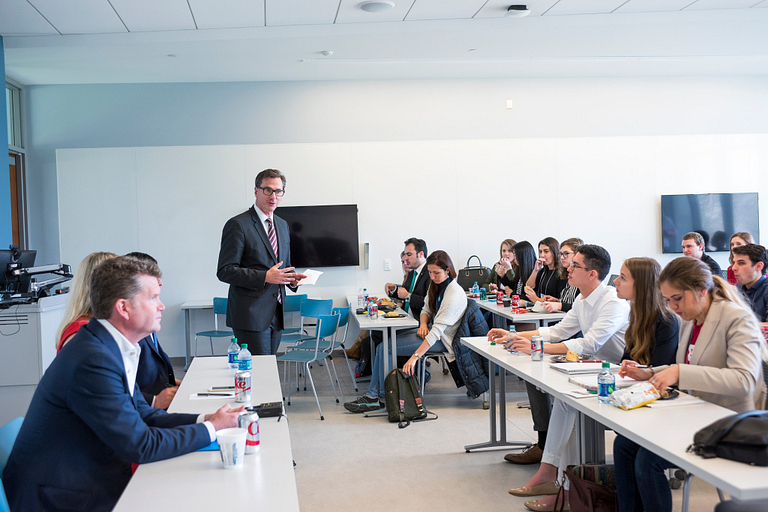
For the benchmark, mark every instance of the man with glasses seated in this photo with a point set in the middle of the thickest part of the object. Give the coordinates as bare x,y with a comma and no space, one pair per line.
255,260
597,312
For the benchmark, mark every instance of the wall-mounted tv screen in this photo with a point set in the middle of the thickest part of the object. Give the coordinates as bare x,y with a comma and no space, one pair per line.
715,216
322,236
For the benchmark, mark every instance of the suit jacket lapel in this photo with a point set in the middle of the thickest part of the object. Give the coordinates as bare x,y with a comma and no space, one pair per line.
707,331
109,342
283,239
259,227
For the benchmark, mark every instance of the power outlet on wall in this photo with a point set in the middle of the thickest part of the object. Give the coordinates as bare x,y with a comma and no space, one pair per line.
387,264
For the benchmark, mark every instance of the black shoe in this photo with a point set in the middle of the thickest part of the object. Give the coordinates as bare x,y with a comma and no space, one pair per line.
363,404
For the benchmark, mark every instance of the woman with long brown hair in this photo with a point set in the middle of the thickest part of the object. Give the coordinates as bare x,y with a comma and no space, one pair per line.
444,309
547,276
719,359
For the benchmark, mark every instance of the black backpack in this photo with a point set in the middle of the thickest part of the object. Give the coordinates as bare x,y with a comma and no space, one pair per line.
742,437
404,404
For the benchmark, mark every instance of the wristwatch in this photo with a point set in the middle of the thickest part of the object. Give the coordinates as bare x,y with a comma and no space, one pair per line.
417,355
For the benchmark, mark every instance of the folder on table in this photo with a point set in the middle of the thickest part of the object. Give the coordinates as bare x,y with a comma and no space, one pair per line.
589,382
582,368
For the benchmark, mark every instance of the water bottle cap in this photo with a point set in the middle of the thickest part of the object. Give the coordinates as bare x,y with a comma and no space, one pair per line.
606,364
234,340
244,345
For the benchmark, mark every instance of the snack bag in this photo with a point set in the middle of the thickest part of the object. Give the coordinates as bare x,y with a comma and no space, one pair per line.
635,396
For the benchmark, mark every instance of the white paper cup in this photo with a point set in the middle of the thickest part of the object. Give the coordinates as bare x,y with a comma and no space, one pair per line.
232,446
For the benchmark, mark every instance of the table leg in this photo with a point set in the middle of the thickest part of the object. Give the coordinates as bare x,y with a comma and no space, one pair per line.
187,330
502,400
591,440
385,355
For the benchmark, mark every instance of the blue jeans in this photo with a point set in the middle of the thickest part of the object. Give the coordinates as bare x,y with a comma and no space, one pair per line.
638,469
406,346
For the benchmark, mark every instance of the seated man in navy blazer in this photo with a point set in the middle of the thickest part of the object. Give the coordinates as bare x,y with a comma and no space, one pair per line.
155,376
88,421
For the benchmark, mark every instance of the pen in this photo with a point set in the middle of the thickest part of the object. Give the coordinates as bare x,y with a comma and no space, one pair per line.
214,394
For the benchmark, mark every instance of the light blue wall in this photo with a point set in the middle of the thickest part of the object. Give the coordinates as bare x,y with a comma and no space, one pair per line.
6,232
129,115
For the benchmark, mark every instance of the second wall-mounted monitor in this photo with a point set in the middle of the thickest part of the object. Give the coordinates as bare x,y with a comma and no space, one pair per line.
715,216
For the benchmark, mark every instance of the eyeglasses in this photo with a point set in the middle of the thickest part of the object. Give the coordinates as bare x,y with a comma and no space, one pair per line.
565,254
576,265
269,191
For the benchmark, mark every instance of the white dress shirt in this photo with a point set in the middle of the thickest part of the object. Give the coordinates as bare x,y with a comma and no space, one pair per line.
130,352
602,319
263,218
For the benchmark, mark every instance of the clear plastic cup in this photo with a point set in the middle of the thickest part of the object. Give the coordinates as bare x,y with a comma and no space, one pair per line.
232,446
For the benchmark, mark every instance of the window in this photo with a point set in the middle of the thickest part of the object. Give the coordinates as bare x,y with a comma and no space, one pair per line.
13,101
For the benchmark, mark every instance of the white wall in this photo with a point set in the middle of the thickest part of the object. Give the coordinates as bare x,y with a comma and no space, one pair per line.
172,202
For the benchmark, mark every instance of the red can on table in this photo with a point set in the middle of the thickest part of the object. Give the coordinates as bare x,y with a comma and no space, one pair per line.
499,298
515,301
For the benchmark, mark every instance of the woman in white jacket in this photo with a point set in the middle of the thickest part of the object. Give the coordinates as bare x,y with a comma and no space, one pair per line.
444,309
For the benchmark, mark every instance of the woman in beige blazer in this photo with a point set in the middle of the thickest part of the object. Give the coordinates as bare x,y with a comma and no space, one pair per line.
719,359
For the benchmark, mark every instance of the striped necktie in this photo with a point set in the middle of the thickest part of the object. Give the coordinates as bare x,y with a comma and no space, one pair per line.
273,240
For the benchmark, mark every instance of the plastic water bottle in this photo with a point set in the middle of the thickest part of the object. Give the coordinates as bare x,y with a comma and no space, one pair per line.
244,358
232,352
475,290
606,384
360,299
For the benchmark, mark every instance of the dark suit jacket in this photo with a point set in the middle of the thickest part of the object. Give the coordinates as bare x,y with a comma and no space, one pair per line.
712,264
155,369
419,294
83,430
244,259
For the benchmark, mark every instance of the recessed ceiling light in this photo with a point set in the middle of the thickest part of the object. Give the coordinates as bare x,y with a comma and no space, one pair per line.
377,6
517,11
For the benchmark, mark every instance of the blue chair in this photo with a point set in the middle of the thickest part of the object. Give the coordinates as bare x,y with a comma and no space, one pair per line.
326,327
8,433
335,343
219,308
310,308
292,304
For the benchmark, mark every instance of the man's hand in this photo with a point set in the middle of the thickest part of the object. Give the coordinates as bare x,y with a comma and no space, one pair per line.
496,335
551,307
226,417
519,344
165,397
389,288
277,275
295,278
402,293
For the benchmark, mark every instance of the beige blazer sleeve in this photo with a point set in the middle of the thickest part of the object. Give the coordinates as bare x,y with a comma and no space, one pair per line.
726,363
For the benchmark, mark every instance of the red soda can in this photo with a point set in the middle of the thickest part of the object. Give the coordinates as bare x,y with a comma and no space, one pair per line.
243,386
250,422
515,301
499,298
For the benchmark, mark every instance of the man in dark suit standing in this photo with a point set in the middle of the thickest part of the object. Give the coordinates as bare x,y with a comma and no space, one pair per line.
255,259
88,421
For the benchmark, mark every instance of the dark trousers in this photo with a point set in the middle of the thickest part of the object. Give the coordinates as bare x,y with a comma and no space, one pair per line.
638,469
540,407
263,343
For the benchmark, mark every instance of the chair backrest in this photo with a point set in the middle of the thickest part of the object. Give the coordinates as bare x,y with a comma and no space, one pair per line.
219,308
343,313
326,325
8,433
293,302
316,307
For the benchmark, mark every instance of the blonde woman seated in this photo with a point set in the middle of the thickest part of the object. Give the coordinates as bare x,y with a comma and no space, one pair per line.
79,310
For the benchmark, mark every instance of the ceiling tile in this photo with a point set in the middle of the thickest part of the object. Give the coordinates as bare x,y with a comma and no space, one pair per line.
227,13
701,5
80,16
301,12
19,18
585,7
498,8
154,15
444,9
653,5
350,12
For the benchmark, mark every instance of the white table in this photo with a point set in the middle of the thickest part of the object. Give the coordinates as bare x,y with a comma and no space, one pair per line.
187,308
506,312
387,326
666,432
197,481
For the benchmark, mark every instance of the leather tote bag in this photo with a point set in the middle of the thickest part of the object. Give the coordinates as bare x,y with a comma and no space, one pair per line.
468,275
741,437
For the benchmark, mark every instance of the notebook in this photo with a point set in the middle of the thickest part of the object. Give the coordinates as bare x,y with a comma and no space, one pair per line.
589,382
582,368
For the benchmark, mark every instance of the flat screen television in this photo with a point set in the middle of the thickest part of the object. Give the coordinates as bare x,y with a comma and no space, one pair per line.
715,216
322,236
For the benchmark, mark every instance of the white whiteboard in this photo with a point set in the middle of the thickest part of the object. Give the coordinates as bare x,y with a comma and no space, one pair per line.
462,196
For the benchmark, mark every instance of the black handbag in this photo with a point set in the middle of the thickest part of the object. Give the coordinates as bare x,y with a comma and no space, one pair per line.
468,275
741,437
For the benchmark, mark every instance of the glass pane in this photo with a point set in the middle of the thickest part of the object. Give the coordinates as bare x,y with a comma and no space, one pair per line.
8,110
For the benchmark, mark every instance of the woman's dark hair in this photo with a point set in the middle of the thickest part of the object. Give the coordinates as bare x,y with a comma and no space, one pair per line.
646,307
442,260
554,247
525,260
